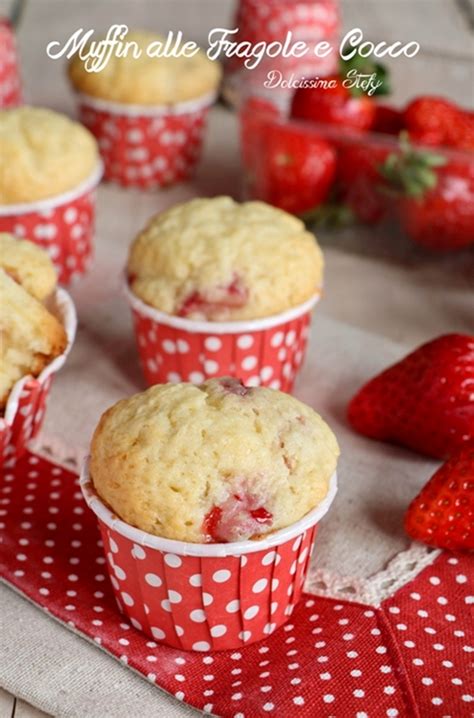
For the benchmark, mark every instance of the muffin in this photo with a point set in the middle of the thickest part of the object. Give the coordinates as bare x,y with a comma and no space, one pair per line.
219,462
147,80
42,154
220,260
31,335
148,113
50,168
28,265
220,288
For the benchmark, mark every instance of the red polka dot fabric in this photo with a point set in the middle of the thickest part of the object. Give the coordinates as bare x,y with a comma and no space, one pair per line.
149,150
409,658
64,230
10,84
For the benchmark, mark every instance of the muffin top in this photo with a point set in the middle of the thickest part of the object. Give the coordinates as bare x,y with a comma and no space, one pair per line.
219,260
147,80
218,462
31,335
42,154
28,265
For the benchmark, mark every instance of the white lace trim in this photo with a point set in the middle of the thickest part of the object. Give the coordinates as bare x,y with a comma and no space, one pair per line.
378,587
371,591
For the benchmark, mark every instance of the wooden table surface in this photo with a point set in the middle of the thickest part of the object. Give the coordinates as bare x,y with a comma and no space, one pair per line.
443,27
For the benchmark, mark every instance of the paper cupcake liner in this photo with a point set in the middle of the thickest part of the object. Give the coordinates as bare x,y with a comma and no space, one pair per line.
262,352
10,83
26,405
269,21
147,146
62,225
206,597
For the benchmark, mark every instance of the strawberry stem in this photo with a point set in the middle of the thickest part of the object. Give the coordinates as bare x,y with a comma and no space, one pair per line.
411,171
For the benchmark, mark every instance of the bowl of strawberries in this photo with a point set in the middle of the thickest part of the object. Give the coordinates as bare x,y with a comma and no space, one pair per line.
337,154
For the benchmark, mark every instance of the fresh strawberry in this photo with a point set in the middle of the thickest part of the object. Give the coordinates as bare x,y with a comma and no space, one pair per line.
425,401
443,217
333,104
435,195
442,514
388,120
215,302
346,98
296,169
437,121
360,181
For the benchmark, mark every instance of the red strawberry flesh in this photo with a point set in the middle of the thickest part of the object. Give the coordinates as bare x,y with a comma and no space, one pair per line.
239,518
216,300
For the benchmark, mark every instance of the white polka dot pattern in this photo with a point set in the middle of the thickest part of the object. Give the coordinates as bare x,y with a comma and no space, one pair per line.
67,241
217,603
260,21
308,667
146,151
10,84
169,354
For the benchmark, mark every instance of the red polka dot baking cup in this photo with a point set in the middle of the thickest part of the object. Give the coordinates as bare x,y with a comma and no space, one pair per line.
260,352
26,404
206,597
143,146
271,20
62,225
10,84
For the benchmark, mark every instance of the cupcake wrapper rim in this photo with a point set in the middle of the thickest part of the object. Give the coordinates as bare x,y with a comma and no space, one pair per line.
129,110
67,311
43,205
197,326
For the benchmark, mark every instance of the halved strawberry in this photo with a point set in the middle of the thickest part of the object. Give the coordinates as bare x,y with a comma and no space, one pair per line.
425,401
442,514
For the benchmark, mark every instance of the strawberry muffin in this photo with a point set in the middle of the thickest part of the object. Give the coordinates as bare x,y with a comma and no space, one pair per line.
50,167
148,113
220,260
146,80
32,336
42,154
219,462
28,265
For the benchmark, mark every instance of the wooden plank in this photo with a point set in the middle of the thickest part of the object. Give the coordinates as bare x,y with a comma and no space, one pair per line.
7,704
25,710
